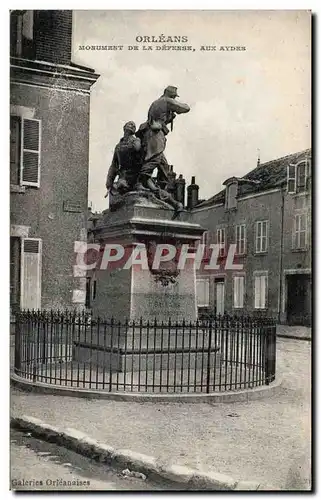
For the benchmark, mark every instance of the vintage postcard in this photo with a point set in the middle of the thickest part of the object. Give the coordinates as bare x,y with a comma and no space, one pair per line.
160,250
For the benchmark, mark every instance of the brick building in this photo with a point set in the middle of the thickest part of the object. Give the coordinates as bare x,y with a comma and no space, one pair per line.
49,148
266,214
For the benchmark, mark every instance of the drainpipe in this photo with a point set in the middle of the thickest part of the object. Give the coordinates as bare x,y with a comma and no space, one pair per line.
281,255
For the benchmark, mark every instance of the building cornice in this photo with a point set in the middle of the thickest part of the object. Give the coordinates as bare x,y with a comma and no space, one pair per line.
51,75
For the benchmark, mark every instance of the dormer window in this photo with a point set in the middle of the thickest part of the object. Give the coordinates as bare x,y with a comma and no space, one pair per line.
231,193
298,177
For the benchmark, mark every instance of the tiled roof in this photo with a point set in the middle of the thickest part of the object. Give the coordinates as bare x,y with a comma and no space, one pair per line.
270,175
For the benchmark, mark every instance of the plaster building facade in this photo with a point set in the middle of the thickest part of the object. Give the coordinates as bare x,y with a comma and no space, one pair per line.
49,149
267,215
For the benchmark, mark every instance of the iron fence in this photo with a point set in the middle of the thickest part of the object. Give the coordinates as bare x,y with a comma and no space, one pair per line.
223,353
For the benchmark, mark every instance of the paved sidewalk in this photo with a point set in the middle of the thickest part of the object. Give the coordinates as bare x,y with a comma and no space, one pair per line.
298,332
266,441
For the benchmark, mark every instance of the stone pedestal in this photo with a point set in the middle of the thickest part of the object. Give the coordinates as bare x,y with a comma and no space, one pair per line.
137,293
133,293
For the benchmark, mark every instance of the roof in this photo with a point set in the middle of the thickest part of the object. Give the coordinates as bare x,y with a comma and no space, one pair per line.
265,176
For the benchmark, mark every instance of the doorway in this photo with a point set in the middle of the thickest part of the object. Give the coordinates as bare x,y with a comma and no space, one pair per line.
299,299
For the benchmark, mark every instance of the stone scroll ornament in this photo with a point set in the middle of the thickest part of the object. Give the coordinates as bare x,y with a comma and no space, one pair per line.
139,153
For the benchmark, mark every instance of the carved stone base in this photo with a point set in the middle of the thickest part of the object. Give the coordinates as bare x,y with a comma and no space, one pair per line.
136,198
134,292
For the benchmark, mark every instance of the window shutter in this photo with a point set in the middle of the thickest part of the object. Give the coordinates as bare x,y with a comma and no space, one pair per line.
265,234
30,152
295,234
257,289
263,291
14,150
301,177
31,252
220,238
291,178
238,291
260,291
257,236
202,292
241,292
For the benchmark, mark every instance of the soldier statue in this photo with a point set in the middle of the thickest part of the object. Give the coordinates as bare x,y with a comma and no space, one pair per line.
138,154
126,161
153,133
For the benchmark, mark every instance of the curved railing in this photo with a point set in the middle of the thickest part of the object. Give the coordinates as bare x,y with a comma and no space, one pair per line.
222,353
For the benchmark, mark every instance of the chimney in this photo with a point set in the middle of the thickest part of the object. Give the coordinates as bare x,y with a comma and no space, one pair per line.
258,163
180,189
192,194
53,35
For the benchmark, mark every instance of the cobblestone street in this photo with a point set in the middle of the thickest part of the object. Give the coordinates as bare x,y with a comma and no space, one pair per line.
265,440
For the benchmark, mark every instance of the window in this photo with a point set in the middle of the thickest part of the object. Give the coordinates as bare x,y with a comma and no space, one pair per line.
231,192
21,33
240,239
31,251
301,176
300,232
15,266
203,292
238,289
260,290
298,177
261,236
25,139
220,239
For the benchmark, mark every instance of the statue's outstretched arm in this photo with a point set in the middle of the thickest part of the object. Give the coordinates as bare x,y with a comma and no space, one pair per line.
178,107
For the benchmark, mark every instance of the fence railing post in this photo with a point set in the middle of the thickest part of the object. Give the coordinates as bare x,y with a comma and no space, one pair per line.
270,353
17,345
209,350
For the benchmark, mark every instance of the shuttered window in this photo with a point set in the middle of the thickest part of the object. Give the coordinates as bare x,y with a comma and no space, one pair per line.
31,252
261,236
203,292
220,239
260,290
30,152
238,286
240,239
300,232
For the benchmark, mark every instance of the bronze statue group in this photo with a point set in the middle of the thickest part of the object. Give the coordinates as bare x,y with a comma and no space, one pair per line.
140,152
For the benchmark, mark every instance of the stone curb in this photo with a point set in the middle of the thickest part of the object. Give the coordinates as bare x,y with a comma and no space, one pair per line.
223,397
292,337
84,445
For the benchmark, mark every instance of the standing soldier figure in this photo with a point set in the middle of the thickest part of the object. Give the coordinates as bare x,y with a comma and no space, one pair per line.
153,136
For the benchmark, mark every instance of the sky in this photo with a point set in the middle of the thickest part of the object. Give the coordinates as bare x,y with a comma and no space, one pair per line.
243,102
